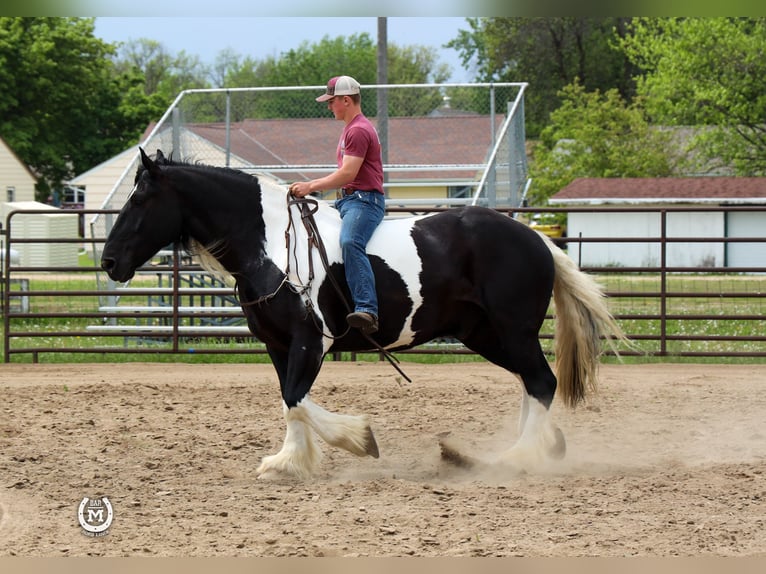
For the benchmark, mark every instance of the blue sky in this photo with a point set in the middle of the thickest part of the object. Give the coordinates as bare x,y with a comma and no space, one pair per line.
259,37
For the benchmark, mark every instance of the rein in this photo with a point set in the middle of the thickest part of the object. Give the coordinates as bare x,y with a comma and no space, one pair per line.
308,207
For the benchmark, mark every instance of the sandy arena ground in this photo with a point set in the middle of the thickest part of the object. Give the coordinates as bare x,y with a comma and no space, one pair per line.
666,460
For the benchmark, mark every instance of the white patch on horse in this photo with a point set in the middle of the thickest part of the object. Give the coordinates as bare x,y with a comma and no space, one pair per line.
393,243
290,253
274,201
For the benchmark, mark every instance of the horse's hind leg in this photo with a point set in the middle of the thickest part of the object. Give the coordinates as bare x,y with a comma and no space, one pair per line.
540,440
537,433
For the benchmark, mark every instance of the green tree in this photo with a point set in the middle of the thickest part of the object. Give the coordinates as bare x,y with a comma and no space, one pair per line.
225,61
414,65
710,73
594,134
153,77
548,53
314,63
59,100
163,73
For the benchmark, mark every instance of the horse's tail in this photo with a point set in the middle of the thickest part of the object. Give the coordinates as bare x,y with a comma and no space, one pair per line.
582,319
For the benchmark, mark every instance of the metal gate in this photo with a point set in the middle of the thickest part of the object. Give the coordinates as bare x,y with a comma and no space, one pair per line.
173,308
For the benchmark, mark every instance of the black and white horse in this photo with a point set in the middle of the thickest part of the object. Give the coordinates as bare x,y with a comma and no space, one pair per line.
470,273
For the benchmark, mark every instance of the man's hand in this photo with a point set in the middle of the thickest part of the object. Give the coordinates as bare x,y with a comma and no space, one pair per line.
300,188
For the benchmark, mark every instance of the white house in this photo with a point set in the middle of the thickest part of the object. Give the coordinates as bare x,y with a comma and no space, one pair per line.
99,180
16,181
18,186
682,192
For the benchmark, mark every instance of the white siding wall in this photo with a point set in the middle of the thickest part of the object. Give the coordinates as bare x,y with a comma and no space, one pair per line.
15,175
643,226
699,224
746,224
99,181
50,222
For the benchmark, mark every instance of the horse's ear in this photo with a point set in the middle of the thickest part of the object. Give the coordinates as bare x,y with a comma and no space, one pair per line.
160,157
150,166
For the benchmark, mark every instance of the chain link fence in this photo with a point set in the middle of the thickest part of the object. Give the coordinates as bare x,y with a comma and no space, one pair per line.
467,139
442,145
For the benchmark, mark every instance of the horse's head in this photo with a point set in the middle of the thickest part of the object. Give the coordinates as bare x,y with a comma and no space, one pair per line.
149,221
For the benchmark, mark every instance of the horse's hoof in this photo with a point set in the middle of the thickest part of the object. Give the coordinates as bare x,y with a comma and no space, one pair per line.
267,471
281,466
269,474
452,455
371,445
559,449
362,443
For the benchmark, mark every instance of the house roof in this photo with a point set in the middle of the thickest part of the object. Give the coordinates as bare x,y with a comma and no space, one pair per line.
717,190
119,161
441,140
24,166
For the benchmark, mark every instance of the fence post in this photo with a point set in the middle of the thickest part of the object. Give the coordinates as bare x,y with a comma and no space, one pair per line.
176,296
663,284
2,268
6,276
228,129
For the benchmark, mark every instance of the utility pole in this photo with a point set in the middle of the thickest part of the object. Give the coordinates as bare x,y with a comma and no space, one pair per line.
382,125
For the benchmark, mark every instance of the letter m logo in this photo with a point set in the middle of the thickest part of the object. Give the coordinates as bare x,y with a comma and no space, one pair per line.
95,515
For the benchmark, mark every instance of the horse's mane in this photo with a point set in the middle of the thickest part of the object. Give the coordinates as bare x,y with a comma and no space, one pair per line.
208,261
205,254
199,166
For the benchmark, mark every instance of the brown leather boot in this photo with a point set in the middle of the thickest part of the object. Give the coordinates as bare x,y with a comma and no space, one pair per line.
365,322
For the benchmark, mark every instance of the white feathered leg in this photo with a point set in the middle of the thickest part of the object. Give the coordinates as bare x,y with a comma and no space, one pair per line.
540,439
524,410
300,456
352,433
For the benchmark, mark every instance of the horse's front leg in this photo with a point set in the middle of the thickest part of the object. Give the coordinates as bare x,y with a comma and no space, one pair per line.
300,455
349,432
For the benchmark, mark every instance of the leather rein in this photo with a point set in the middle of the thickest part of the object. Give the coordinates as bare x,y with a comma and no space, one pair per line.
308,206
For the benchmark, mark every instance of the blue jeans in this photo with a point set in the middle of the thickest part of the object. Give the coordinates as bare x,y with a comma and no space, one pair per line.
361,213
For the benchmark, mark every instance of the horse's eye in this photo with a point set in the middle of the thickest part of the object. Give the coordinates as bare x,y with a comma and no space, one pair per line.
138,199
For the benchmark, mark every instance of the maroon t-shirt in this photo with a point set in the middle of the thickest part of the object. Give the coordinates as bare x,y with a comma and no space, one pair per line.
360,139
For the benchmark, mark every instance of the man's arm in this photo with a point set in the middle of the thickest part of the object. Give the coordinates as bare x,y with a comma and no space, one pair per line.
343,175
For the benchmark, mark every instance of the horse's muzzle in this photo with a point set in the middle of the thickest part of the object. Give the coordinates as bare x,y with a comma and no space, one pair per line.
109,264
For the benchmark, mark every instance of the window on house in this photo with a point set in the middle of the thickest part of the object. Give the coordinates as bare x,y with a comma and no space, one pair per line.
461,191
10,193
74,197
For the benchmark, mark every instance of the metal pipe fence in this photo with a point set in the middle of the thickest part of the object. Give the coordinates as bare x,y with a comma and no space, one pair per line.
173,307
